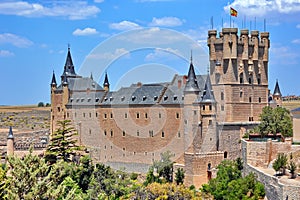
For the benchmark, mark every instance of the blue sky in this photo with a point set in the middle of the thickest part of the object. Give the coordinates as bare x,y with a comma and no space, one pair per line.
34,37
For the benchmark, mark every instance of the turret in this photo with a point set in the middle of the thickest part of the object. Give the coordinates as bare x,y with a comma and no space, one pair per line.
53,81
10,142
277,97
191,84
69,69
106,83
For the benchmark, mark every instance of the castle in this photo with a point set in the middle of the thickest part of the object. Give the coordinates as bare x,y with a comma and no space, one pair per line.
199,118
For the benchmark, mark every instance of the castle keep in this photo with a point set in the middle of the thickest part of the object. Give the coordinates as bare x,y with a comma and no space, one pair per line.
199,118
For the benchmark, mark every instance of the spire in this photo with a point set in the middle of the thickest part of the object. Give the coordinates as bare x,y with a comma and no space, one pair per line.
208,95
69,67
106,83
53,81
191,84
277,89
65,79
91,77
10,133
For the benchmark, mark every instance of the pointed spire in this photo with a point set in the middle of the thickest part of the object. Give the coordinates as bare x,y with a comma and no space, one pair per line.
65,80
191,84
10,133
208,95
106,83
91,77
277,89
69,67
53,81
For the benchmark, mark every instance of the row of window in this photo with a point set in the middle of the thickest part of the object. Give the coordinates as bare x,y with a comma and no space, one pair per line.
133,153
106,116
151,133
249,79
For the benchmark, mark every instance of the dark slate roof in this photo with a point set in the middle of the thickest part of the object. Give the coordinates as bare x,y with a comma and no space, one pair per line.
82,84
53,81
296,110
106,83
208,95
10,133
191,84
277,89
69,69
86,99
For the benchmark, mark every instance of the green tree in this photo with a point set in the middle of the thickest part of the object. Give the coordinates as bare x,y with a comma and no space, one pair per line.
229,184
179,176
280,163
162,170
41,104
84,172
2,180
63,143
292,167
275,120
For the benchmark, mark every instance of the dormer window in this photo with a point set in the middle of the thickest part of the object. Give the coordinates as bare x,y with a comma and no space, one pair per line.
155,98
175,97
97,99
82,99
144,98
122,98
165,97
133,98
89,99
111,98
105,99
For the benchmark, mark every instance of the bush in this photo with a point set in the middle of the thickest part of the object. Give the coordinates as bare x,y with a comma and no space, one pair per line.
41,104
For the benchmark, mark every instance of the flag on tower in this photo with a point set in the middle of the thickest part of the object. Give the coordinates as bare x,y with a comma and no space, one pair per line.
233,12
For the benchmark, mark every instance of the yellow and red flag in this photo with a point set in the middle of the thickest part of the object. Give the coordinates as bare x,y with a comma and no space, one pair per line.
233,12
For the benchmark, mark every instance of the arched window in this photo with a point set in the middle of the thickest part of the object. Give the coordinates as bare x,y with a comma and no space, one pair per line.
241,78
225,154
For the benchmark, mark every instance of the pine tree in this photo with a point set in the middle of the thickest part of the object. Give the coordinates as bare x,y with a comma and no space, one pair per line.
63,143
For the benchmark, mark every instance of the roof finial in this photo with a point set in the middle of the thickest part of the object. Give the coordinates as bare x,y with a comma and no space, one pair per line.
68,46
207,69
191,56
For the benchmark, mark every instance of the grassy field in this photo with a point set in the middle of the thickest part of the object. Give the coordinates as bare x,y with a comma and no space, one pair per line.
24,118
290,105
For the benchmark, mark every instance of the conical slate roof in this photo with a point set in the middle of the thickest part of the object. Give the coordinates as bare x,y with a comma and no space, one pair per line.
277,89
53,81
191,84
106,82
69,69
208,95
10,133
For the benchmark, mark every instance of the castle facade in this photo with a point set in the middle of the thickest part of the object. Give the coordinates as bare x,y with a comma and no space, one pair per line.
200,119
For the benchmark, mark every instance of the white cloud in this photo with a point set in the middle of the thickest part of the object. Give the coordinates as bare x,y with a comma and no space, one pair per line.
296,41
86,31
110,55
166,21
18,41
124,26
98,1
73,10
283,55
298,26
5,53
264,7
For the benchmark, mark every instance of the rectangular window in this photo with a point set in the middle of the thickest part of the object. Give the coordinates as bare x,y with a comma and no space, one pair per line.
222,107
105,132
203,107
105,116
151,133
195,112
210,107
177,115
137,115
83,114
146,115
125,116
138,133
159,115
90,115
162,134
210,122
96,114
124,133
111,133
178,134
111,115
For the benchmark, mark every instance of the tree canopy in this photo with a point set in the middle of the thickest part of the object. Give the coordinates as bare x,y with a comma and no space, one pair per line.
275,120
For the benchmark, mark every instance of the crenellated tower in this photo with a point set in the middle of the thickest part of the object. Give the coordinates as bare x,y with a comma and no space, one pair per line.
239,73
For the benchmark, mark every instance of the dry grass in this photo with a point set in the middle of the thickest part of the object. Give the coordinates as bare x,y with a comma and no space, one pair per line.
290,105
25,108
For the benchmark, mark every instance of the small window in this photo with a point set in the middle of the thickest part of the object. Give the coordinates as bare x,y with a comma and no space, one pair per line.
159,115
124,133
137,115
259,99
162,134
241,78
225,154
250,99
241,94
90,131
83,114
58,108
203,107
222,107
111,133
195,112
178,134
177,115
90,115
146,115
125,115
68,115
258,81
210,122
146,153
250,80
210,107
111,115
105,133
138,133
105,147
222,96
151,133
96,114
105,116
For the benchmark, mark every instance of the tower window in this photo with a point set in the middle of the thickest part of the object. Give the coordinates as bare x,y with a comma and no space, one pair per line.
222,107
203,107
210,122
90,131
105,116
250,80
111,115
151,133
111,133
96,114
210,107
146,115
258,81
177,115
178,134
124,133
241,78
195,112
137,115
162,134
250,99
83,114
105,132
222,96
90,115
259,99
125,115
138,133
159,115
